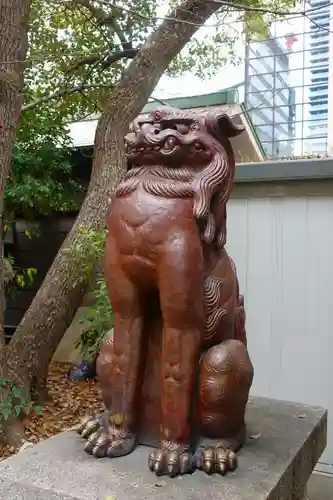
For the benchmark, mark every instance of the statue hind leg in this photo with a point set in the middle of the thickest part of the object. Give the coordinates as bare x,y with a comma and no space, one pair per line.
120,371
226,375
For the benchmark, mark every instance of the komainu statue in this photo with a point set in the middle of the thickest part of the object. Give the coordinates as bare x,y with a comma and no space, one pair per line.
176,375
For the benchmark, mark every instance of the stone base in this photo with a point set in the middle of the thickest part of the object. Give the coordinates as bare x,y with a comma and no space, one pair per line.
286,440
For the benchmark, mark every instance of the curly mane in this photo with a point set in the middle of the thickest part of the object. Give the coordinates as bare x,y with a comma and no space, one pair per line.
209,186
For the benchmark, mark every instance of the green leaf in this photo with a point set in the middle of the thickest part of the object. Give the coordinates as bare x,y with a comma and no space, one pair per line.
17,391
38,410
5,413
17,409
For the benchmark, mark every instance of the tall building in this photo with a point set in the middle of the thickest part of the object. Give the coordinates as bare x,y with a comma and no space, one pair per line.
290,110
317,91
268,97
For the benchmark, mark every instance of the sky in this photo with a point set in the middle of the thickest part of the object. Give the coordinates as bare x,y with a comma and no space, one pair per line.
177,87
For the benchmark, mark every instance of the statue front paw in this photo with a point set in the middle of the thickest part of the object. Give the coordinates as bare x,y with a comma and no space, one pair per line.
171,459
215,459
105,439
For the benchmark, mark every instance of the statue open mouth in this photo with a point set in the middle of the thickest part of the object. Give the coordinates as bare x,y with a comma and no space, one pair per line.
168,146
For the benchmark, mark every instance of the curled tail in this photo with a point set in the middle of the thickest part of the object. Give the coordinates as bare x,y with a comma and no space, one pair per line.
240,315
240,319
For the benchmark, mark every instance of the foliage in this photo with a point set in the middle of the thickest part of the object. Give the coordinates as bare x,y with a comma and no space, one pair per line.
92,248
98,319
307,156
17,402
71,42
22,279
41,179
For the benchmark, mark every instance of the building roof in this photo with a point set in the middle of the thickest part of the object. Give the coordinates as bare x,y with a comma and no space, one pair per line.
247,146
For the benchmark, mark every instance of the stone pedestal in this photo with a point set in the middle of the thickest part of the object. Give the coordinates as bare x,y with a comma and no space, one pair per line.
285,442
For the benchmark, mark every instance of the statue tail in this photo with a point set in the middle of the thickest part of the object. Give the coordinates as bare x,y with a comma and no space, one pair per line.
240,319
240,315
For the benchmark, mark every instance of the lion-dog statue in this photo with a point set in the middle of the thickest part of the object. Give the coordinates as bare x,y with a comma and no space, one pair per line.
176,373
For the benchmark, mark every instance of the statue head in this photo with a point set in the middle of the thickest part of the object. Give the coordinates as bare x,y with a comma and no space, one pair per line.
176,137
182,153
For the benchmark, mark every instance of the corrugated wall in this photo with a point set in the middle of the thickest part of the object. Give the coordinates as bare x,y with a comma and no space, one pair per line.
281,238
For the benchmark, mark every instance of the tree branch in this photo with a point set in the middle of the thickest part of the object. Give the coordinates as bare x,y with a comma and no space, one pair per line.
105,61
105,19
97,12
63,92
117,56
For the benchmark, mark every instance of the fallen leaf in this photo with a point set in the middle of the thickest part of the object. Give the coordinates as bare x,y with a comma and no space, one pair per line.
70,402
160,484
255,436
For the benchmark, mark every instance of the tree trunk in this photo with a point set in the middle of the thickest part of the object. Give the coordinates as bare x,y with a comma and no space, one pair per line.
56,302
14,16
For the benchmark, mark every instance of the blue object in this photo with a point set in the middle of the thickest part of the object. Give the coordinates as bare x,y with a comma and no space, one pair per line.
84,371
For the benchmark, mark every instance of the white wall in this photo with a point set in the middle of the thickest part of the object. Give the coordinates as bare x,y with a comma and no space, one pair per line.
281,238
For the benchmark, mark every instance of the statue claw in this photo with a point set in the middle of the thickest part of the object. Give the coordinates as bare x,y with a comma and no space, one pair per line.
88,426
172,463
215,459
104,439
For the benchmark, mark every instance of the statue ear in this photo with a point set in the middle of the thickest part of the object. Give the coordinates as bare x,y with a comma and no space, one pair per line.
223,126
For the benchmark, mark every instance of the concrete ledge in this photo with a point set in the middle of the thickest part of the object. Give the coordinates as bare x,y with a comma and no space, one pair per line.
320,487
286,170
276,463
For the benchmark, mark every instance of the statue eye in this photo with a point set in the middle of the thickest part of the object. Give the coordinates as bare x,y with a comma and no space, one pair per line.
182,129
157,115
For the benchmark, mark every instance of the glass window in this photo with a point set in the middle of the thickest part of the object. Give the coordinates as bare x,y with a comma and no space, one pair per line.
315,146
313,91
265,132
259,49
319,60
315,127
270,98
318,114
283,132
318,100
268,148
261,65
296,60
315,107
294,78
288,96
288,148
321,15
284,114
293,40
321,70
262,116
313,112
261,99
318,36
282,97
288,130
318,80
262,82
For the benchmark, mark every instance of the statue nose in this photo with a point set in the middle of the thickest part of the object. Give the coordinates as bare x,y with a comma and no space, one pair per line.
149,129
130,139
